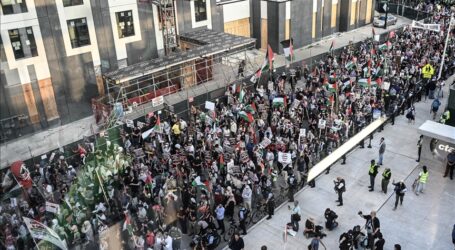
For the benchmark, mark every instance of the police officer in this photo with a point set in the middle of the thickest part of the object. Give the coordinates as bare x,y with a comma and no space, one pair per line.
373,171
385,179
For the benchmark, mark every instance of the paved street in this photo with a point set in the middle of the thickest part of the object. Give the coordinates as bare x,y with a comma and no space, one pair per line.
423,222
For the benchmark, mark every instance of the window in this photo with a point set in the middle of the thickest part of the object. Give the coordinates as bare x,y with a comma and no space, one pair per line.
13,6
125,24
78,31
23,42
200,10
68,3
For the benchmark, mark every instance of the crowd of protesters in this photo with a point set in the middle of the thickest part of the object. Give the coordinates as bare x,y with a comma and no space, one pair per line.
193,176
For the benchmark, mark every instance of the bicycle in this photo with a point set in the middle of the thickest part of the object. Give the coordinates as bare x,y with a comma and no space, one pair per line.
282,195
231,230
258,214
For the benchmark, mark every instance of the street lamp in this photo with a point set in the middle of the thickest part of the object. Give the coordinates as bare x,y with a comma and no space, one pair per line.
449,29
386,8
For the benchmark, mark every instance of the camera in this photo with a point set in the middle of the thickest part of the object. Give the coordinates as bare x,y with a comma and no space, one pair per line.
360,213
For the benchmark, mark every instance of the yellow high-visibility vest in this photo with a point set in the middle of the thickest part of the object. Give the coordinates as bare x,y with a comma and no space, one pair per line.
424,177
427,71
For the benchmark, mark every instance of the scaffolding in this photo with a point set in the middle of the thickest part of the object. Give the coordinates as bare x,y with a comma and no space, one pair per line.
208,60
166,16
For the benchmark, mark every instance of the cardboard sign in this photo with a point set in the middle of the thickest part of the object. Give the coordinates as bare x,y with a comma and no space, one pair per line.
295,104
284,158
322,124
244,157
157,101
264,143
209,105
52,207
140,125
129,123
270,85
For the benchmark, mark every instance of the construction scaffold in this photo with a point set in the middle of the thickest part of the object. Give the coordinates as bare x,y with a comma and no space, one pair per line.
207,61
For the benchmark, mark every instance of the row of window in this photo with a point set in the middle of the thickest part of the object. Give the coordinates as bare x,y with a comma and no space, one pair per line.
19,6
24,45
23,40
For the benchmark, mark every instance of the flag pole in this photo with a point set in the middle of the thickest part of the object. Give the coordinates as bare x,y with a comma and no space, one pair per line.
101,186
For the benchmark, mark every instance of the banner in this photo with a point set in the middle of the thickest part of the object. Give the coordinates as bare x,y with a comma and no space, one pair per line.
426,26
284,158
209,105
42,232
52,207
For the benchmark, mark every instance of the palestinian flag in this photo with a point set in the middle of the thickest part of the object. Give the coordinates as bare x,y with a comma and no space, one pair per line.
270,56
346,84
332,87
14,192
156,129
221,161
385,46
264,67
251,108
246,116
288,48
278,102
333,77
350,65
363,82
127,224
157,126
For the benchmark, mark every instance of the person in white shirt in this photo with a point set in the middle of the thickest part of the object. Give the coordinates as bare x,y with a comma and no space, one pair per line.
246,195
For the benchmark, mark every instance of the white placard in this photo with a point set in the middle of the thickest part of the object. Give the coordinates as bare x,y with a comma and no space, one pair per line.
129,123
157,101
209,105
52,207
295,104
321,124
264,143
285,158
386,86
270,86
140,125
303,132
376,38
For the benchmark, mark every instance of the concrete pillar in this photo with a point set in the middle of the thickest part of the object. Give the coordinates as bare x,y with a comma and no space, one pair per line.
30,102
276,25
48,98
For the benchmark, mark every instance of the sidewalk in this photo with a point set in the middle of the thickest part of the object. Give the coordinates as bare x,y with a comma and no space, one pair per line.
45,141
423,222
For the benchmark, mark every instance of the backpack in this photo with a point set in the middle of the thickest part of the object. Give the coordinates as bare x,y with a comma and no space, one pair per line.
435,104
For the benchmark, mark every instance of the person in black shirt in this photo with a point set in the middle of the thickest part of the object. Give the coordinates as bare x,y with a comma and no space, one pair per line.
400,190
340,188
379,245
236,242
330,217
372,225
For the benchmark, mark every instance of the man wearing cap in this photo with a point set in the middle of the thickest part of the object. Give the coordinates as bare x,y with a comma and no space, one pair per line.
400,190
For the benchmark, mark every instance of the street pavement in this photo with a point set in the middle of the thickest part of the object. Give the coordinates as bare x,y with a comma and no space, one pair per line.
422,222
